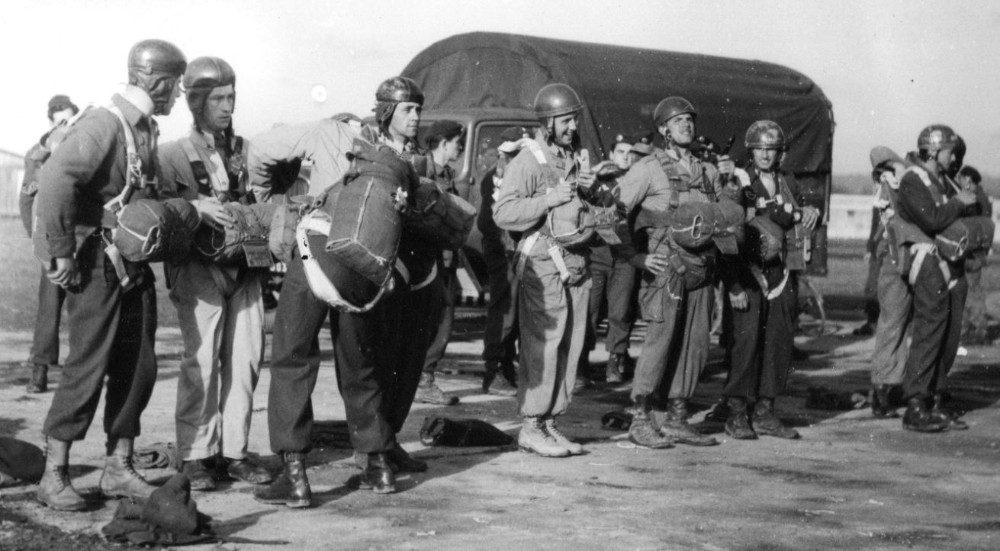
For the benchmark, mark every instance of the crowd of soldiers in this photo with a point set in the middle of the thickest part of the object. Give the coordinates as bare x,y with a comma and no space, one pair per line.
682,223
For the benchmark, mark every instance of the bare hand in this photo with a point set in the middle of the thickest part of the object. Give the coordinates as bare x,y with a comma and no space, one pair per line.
739,301
561,194
586,177
967,197
212,210
656,263
64,274
810,215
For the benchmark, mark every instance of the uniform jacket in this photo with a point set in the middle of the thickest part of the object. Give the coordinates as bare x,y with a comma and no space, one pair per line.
742,272
325,142
177,178
931,208
33,161
89,169
646,187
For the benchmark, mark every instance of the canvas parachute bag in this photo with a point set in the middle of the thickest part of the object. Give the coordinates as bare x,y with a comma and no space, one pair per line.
765,239
246,241
349,240
572,224
445,218
147,230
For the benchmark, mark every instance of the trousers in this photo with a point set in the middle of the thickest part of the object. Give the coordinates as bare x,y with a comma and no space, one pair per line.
442,333
936,329
111,337
895,311
379,357
223,350
675,350
612,284
45,342
500,334
762,335
553,326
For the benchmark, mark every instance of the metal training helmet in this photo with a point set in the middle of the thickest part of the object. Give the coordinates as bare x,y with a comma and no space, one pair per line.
936,137
202,75
554,100
151,63
765,135
670,107
398,90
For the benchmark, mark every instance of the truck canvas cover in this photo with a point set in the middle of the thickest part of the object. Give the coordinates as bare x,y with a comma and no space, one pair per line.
621,86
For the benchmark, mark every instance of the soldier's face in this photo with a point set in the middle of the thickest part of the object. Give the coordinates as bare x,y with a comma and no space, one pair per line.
945,158
680,129
453,148
175,92
405,120
764,159
620,156
564,129
60,117
218,111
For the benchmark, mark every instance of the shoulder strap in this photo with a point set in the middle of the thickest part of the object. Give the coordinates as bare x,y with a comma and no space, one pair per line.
201,175
134,162
668,165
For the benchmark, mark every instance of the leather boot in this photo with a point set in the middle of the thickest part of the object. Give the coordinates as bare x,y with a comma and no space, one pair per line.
429,393
643,431
880,402
197,473
39,379
378,476
766,423
737,422
676,427
552,430
119,478
247,470
954,422
613,371
919,418
495,382
533,438
291,487
404,462
55,490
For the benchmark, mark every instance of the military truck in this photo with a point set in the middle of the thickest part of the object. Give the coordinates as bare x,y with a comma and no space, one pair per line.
488,81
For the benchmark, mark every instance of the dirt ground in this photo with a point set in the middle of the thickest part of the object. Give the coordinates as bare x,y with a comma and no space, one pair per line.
851,482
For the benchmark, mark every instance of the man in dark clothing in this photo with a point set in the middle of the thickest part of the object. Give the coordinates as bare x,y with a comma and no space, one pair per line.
380,352
974,322
613,284
45,343
111,302
445,141
939,287
760,290
499,246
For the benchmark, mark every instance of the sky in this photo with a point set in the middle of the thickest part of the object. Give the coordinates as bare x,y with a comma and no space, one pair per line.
889,67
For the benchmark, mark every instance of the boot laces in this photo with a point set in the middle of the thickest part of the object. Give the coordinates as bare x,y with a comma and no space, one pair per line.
553,430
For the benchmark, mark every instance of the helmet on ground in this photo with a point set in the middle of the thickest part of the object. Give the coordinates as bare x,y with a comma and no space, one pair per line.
202,75
765,135
936,137
554,100
669,108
